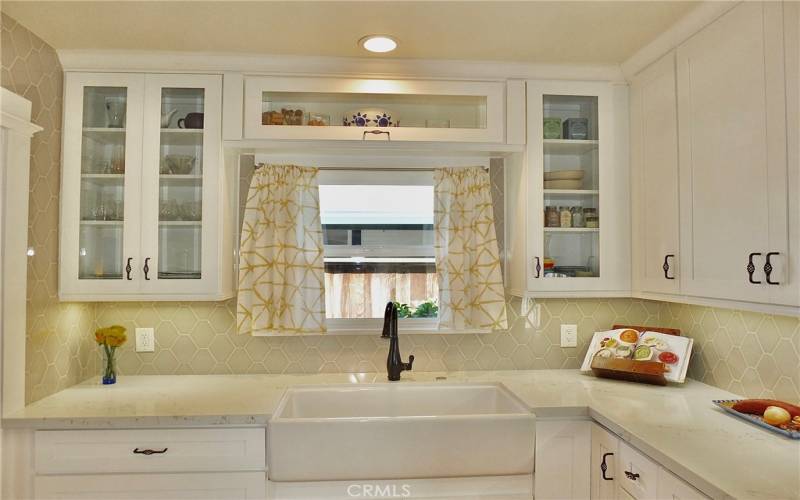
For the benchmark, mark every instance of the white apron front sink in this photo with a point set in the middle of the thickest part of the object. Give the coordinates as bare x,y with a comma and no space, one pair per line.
388,431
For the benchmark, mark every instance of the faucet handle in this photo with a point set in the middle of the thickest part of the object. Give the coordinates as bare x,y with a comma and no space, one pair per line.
407,366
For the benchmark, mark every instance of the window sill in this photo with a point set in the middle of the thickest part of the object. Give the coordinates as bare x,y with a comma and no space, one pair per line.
375,326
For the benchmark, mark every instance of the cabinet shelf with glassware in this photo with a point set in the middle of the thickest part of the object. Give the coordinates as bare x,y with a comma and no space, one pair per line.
143,212
355,109
570,212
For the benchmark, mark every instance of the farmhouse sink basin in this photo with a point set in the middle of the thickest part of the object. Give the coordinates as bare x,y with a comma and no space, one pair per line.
393,431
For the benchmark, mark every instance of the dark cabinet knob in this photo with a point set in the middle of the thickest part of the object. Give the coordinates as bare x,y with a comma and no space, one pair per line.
665,267
633,476
604,466
148,452
768,268
751,268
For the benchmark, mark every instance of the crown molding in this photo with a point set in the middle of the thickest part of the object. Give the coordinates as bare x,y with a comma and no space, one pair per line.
695,20
205,62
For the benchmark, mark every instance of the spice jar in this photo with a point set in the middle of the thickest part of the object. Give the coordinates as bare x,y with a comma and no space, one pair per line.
577,217
551,217
590,217
565,216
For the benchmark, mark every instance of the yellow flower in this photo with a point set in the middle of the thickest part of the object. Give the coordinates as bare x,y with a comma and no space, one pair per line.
112,336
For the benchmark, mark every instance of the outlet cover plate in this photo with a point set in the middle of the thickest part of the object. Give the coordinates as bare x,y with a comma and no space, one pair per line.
145,340
569,335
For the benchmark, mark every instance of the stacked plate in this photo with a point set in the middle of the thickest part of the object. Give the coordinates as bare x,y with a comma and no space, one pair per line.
564,179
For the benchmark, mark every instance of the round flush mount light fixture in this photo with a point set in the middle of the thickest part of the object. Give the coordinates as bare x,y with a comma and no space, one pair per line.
378,43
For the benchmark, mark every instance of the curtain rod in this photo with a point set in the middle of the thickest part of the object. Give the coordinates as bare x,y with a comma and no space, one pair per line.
381,169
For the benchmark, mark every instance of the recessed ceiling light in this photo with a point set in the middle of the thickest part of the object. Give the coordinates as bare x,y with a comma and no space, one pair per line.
378,43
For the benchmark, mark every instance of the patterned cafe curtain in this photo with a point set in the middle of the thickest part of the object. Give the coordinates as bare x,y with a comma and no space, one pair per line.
471,293
281,280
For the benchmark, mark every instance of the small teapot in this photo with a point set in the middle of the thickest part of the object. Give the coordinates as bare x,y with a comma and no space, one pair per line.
191,120
166,117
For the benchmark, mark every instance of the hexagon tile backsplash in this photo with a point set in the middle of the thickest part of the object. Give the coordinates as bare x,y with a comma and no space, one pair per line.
746,353
60,352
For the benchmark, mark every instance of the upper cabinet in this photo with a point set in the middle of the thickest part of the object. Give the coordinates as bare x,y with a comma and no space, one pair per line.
573,206
144,191
715,162
370,109
654,178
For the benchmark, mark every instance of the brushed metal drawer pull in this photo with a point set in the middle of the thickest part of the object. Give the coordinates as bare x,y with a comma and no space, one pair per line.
376,132
149,452
633,476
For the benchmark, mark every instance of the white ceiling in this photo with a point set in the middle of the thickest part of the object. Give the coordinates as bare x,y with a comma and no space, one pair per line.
541,32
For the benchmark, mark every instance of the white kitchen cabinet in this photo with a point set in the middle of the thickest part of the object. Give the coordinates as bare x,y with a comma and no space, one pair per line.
196,463
654,176
149,450
359,109
145,202
604,471
638,474
671,487
197,486
562,460
734,201
584,173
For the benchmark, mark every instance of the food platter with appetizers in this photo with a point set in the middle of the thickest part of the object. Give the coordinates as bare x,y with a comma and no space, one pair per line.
777,416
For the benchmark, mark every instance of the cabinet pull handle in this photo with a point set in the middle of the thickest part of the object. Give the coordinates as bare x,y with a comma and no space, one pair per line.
128,268
633,476
604,466
751,268
378,132
665,267
538,268
148,452
146,269
768,268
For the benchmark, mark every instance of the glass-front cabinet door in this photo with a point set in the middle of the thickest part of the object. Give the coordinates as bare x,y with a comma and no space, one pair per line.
371,109
100,183
143,189
180,180
577,188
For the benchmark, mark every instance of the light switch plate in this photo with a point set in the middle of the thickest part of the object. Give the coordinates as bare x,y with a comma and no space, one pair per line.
569,335
145,340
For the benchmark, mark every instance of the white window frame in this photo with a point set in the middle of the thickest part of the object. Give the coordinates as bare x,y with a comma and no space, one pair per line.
377,169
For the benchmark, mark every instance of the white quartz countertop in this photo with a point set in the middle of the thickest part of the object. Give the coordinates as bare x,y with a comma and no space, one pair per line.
677,425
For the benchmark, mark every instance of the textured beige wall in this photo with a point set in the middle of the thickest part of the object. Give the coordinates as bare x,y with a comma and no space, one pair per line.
59,350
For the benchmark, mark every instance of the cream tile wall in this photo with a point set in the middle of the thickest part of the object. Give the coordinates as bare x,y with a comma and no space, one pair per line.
59,349
747,353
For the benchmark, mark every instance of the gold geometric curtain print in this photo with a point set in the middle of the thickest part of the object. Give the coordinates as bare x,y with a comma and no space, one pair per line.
471,293
281,271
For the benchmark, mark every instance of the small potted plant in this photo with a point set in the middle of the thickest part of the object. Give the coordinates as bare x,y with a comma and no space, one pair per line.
110,338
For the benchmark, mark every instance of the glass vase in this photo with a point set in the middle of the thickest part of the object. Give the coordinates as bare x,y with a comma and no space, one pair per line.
110,367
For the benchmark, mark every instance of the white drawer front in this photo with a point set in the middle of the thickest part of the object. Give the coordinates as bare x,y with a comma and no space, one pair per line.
196,486
638,475
150,450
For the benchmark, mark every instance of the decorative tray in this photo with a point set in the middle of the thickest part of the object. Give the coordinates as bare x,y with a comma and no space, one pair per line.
726,404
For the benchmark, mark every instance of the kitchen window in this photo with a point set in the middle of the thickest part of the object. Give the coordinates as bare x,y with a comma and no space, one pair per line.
378,246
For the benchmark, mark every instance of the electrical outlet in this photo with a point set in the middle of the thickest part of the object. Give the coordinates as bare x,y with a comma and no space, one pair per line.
145,340
569,335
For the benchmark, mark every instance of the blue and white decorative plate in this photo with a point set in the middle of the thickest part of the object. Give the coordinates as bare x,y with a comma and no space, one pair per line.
727,405
369,118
